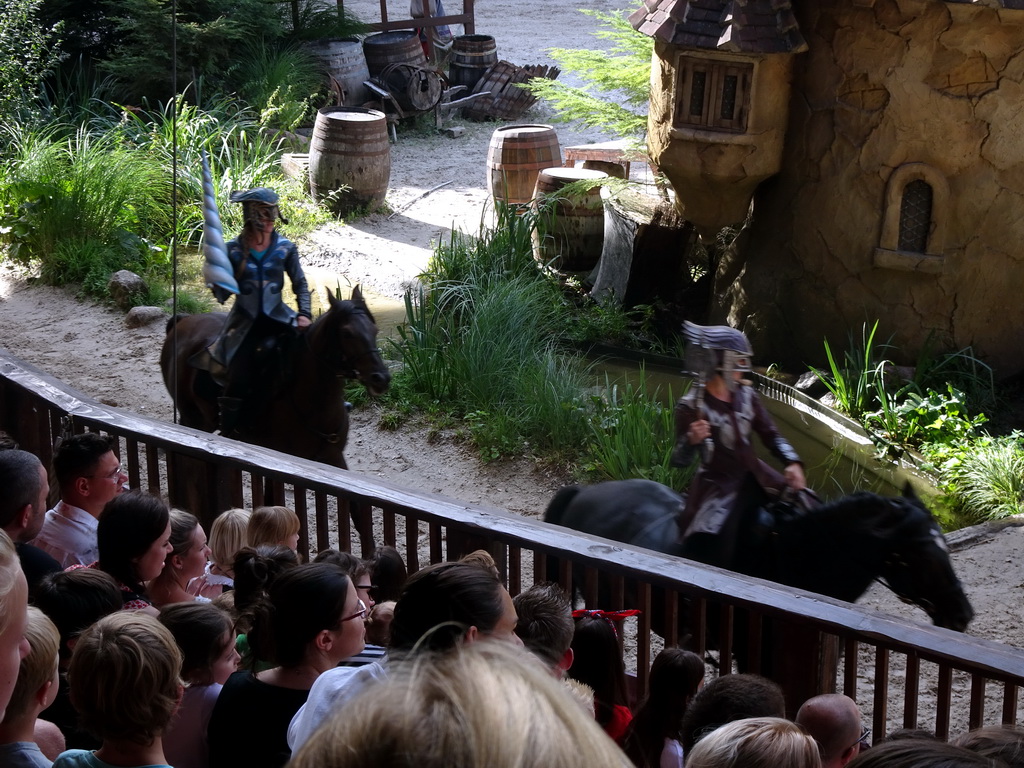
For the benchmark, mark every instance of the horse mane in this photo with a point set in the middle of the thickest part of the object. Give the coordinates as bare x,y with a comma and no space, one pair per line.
882,516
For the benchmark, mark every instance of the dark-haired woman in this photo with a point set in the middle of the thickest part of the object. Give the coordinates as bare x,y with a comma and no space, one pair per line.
134,538
597,662
310,620
654,739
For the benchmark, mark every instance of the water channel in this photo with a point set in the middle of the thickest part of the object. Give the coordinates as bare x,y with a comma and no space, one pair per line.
838,455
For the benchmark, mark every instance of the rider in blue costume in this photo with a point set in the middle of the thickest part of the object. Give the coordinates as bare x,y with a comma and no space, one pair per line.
259,318
716,422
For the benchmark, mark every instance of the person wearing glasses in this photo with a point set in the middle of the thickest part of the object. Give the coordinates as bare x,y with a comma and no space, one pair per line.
835,723
309,621
89,475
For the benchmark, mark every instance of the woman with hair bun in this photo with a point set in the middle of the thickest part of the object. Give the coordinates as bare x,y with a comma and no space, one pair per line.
309,620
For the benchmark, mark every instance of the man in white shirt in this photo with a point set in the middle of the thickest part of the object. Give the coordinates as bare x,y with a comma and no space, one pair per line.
89,475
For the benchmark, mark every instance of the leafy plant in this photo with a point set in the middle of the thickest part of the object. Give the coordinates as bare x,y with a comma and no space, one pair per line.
853,381
982,480
632,435
280,82
27,54
624,70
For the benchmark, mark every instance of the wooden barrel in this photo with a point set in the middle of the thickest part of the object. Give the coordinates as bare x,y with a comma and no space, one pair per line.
349,159
571,230
342,59
416,89
472,55
386,48
516,155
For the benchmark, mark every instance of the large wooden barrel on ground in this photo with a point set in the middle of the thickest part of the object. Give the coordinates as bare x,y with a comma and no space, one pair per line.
386,48
342,59
349,159
517,153
472,55
571,226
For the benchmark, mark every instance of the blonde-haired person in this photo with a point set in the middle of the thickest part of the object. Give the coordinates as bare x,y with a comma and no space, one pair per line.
228,535
126,684
26,741
756,742
273,526
483,704
13,616
184,563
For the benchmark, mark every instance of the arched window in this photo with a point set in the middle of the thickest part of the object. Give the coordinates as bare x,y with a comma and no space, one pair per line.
914,220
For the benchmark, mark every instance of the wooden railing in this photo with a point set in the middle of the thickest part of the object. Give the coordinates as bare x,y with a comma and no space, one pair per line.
885,663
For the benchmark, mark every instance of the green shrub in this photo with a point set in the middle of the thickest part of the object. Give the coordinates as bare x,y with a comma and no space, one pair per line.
28,52
981,480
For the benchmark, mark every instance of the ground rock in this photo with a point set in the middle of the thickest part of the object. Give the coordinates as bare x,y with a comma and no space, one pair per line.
123,285
138,317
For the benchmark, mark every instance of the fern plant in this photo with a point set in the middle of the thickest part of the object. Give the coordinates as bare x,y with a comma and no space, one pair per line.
618,81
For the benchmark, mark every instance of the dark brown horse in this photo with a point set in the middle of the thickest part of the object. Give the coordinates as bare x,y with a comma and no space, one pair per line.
301,408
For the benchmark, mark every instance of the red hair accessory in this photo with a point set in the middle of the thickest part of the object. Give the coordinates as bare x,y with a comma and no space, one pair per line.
610,615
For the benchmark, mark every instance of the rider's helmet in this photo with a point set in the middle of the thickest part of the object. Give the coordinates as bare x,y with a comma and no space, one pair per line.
731,348
258,204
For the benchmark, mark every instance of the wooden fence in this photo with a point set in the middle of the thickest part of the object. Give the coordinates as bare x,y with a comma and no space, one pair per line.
902,674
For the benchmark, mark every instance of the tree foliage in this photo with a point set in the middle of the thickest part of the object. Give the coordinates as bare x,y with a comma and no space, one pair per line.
27,54
617,81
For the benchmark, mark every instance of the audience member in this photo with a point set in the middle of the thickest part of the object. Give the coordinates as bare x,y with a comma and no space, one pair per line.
134,538
758,742
441,607
834,722
728,698
186,561
26,741
273,527
904,734
22,510
89,475
545,625
126,684
255,569
484,704
597,662
654,739
227,537
387,574
310,620
7,443
920,753
74,600
358,571
13,616
378,624
206,638
999,742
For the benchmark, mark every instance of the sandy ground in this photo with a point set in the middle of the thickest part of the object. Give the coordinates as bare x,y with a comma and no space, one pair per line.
87,346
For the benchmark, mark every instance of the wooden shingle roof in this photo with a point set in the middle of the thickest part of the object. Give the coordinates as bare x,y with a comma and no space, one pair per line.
741,26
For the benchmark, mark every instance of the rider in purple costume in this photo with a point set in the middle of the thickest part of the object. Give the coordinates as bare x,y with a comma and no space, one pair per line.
259,317
717,424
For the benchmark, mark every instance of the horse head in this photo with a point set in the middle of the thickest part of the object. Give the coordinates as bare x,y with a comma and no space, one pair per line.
352,342
917,566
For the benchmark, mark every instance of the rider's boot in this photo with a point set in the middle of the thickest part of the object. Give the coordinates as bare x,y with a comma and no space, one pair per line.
229,408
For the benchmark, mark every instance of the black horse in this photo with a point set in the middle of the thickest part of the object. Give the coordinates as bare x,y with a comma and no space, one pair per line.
837,549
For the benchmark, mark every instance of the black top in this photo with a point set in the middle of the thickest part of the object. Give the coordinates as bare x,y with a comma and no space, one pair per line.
36,564
249,724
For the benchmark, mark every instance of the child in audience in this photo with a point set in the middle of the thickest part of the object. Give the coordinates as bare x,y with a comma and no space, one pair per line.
378,624
387,574
597,662
227,537
22,735
206,638
654,738
126,685
273,526
13,616
74,600
186,562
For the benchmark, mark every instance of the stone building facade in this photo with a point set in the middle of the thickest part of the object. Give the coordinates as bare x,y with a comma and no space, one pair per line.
897,129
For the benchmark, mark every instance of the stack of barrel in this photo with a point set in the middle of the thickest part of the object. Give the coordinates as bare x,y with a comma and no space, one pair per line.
525,172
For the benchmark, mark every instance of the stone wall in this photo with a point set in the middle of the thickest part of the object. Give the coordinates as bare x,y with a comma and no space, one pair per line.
884,85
